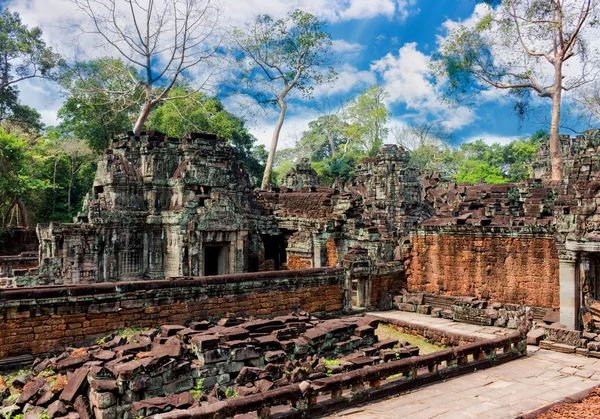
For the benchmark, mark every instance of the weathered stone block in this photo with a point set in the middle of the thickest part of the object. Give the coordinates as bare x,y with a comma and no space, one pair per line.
203,343
242,354
535,336
424,309
213,356
406,307
102,400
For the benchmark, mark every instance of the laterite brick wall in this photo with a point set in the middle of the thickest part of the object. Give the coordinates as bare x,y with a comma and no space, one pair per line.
44,319
507,268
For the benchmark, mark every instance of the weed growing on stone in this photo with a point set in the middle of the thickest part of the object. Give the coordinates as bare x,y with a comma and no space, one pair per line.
230,393
8,379
48,373
128,332
198,389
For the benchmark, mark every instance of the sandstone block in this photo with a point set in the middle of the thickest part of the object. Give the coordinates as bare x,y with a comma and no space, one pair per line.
406,307
535,336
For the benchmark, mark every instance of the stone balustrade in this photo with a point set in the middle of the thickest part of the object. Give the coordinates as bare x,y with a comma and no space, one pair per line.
309,399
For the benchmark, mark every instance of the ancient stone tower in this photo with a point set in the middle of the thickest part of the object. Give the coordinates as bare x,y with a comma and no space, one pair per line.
160,207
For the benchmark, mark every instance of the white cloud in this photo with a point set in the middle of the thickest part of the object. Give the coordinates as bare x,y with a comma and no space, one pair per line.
407,80
291,130
58,20
358,9
349,79
341,46
43,96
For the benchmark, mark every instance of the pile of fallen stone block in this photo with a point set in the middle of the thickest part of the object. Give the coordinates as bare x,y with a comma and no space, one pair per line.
557,337
179,366
463,309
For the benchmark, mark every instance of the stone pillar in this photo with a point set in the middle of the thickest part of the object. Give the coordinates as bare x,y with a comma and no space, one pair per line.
568,289
318,246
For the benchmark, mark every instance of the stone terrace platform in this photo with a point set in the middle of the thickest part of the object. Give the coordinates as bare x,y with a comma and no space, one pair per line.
445,325
506,391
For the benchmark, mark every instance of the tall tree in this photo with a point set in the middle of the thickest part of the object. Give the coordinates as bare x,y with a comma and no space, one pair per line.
23,56
162,40
79,154
199,112
523,46
323,137
368,117
17,183
279,56
91,112
429,143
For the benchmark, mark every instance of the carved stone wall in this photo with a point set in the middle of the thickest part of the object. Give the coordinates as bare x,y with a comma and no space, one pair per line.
160,207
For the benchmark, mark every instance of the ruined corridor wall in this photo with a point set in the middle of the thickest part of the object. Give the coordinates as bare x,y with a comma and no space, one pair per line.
43,319
388,278
499,267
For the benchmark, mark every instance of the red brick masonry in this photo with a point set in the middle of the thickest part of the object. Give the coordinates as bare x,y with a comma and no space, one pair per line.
43,319
493,267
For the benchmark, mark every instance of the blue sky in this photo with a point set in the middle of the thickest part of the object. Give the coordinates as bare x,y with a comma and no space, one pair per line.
384,41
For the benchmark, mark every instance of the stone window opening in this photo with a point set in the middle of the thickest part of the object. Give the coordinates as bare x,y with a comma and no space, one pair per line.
98,190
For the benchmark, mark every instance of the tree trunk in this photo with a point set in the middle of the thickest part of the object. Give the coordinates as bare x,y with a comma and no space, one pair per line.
54,185
555,151
331,144
5,216
144,113
269,166
70,186
23,212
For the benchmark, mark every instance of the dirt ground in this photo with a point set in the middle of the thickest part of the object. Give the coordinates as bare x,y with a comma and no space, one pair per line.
588,408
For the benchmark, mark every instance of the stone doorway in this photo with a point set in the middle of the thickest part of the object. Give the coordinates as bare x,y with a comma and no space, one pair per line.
216,259
275,250
360,289
589,290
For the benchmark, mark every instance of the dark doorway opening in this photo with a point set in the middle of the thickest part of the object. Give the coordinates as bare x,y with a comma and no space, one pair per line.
275,250
216,260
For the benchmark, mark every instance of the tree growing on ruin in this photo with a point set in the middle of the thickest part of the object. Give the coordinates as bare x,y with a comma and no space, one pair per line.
91,111
523,46
280,56
162,42
199,112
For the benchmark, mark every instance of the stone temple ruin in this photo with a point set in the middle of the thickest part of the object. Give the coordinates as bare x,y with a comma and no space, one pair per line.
173,234
171,208
163,207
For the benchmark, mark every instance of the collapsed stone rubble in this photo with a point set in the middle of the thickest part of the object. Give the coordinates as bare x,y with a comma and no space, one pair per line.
180,366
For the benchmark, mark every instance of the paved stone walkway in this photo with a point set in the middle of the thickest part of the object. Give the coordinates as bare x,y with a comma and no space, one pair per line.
505,391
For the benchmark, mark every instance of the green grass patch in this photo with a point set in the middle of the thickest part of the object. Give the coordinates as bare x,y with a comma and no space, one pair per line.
385,331
9,378
128,332
331,362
